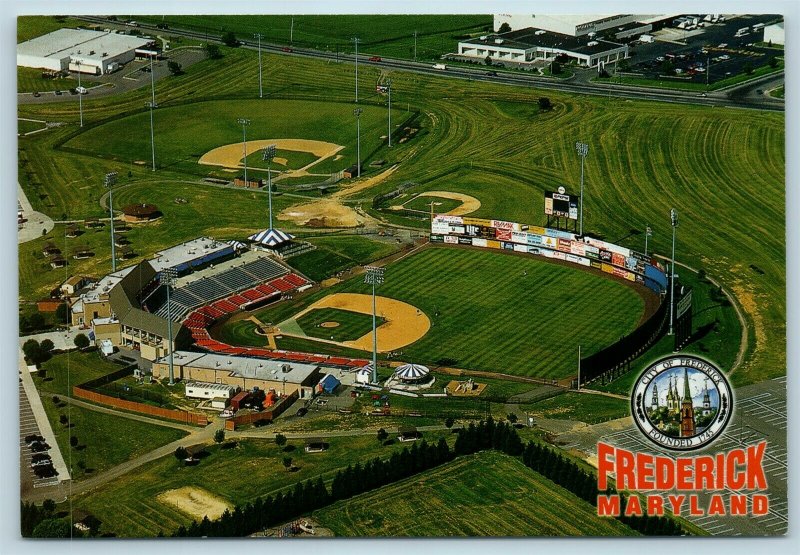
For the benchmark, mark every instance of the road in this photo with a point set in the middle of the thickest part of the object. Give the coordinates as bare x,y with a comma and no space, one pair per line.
579,86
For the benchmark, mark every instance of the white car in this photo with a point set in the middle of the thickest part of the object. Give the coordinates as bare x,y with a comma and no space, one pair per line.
227,413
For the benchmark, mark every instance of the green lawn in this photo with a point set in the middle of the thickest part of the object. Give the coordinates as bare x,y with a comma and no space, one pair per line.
352,325
31,80
779,92
128,506
487,494
579,407
441,205
30,27
26,126
335,253
104,440
73,368
492,305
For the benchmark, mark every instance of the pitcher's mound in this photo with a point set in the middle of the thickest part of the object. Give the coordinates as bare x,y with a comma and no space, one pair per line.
329,325
195,502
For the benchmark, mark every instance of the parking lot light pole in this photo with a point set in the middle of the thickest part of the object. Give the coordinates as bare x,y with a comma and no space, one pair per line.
357,114
152,105
374,277
109,181
583,150
356,40
168,276
673,214
269,154
260,89
244,123
152,80
80,96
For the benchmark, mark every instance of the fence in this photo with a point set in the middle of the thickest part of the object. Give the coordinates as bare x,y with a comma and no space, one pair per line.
186,417
269,414
615,359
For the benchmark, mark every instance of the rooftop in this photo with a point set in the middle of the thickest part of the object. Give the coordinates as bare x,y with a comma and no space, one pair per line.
103,287
255,368
80,43
526,39
186,252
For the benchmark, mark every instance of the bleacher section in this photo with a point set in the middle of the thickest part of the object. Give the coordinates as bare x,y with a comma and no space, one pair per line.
234,280
200,319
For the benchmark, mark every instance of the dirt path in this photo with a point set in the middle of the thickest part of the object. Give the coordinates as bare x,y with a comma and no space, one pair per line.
404,324
361,185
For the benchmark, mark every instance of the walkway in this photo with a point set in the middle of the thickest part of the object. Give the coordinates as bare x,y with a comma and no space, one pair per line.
35,221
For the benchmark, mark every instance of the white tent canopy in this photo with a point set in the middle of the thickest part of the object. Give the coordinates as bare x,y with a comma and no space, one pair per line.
364,374
411,372
271,237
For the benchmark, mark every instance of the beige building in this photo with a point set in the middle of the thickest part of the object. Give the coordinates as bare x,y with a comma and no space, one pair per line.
283,377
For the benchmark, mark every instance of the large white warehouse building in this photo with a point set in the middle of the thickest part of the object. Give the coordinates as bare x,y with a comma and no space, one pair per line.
93,52
572,25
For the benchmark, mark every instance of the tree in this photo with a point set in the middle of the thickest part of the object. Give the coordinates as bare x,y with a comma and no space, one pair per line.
545,104
30,348
449,422
36,321
488,60
174,67
504,28
747,68
287,462
213,51
73,441
49,506
62,313
773,62
46,345
382,435
280,440
81,341
63,419
512,417
229,39
624,65
555,68
52,528
667,68
181,453
219,436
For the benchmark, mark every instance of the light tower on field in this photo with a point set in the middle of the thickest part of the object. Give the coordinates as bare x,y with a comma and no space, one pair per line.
673,214
389,89
152,105
583,150
168,276
244,122
374,277
109,181
80,95
357,114
269,154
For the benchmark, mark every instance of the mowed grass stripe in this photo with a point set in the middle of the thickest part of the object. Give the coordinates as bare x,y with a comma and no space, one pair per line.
487,494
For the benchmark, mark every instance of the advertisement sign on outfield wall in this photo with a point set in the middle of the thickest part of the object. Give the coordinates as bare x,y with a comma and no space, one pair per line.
436,238
520,237
451,239
577,260
478,242
477,221
492,244
503,234
617,259
564,245
549,242
464,241
450,219
520,248
510,226
605,255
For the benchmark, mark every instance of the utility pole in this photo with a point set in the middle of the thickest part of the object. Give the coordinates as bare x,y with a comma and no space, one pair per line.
168,276
389,85
673,214
374,277
80,95
291,33
152,105
583,150
415,45
269,154
356,40
708,70
357,114
260,88
152,81
244,123
109,181
579,368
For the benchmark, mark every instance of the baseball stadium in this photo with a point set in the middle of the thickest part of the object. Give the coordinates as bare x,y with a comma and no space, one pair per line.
375,251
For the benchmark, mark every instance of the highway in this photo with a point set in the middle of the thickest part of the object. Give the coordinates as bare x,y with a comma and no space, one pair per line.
727,98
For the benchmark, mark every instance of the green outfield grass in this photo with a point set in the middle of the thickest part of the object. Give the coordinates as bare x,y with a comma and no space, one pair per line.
352,325
441,205
491,305
487,494
335,253
184,133
128,505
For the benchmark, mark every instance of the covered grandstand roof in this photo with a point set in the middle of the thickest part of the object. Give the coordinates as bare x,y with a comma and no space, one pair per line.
271,237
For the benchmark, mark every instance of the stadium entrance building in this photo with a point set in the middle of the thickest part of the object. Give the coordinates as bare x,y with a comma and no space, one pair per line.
531,45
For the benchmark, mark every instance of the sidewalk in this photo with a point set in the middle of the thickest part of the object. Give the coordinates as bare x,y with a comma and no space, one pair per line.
41,420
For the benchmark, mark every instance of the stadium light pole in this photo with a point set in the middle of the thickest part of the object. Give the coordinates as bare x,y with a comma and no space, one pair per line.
583,150
357,114
356,40
415,45
152,80
109,181
168,276
269,154
152,105
260,88
80,96
673,214
389,85
374,277
244,122
648,232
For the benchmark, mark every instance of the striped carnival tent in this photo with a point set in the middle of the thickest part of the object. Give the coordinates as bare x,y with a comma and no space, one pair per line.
364,374
237,245
271,238
412,373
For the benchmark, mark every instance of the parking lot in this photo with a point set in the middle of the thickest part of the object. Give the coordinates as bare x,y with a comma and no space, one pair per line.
27,426
760,414
714,48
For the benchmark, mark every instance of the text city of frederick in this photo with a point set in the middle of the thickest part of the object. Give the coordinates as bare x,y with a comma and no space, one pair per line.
681,478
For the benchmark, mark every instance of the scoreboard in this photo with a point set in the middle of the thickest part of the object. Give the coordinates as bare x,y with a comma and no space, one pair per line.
561,205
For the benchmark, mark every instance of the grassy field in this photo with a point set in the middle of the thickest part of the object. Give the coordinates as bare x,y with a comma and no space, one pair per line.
487,494
128,506
352,325
26,126
31,80
385,35
73,368
578,407
104,440
725,166
30,27
497,303
335,253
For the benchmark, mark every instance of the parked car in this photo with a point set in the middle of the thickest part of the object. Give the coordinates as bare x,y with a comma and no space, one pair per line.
227,413
375,59
45,471
37,464
58,93
32,438
36,94
491,73
36,457
286,49
39,446
302,412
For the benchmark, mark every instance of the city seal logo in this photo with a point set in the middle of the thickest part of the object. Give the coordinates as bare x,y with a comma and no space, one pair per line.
682,402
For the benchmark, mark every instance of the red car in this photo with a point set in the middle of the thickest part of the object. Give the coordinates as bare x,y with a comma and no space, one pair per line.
286,49
375,59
